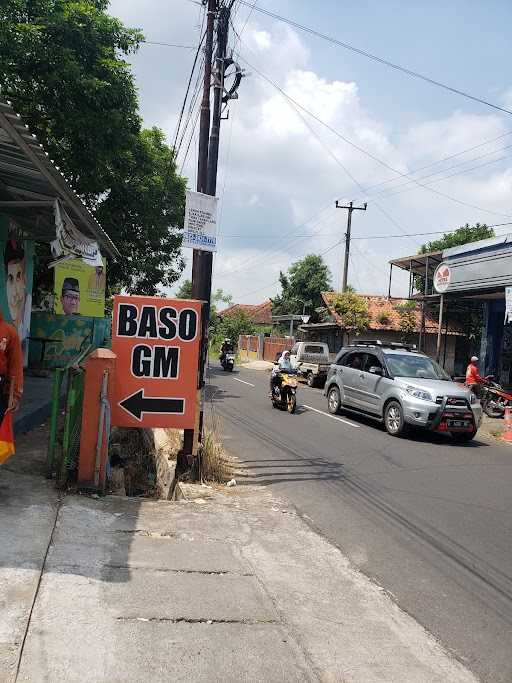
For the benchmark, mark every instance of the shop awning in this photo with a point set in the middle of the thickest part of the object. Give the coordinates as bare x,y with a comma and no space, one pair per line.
30,183
419,264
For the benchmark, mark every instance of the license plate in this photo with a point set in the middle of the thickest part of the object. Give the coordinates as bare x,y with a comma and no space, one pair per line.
457,424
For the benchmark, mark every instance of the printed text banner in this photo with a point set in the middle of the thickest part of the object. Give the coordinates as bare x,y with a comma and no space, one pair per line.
156,342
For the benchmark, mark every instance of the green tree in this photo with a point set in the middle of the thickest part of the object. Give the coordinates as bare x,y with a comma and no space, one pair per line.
232,326
145,199
63,64
463,235
302,286
408,321
185,290
353,311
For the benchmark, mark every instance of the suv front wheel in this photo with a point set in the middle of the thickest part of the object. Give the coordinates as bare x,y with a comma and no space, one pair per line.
334,400
394,419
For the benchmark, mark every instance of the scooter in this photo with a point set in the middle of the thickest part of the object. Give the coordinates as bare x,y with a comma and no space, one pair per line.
494,399
228,362
284,396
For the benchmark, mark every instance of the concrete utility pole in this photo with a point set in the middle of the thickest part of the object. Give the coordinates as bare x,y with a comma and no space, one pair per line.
350,208
207,175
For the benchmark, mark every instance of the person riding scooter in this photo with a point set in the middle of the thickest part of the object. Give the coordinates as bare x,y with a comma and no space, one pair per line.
283,365
227,347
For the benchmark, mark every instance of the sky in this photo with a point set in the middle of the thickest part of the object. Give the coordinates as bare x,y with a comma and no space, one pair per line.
281,170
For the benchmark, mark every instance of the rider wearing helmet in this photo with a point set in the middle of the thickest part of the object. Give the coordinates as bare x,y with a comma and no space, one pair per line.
227,347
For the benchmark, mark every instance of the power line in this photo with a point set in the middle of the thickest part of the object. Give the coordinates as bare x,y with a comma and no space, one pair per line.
375,58
155,42
189,83
296,107
276,282
365,151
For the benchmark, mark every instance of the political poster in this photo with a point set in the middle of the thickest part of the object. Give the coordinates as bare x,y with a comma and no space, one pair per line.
17,264
80,288
508,305
200,229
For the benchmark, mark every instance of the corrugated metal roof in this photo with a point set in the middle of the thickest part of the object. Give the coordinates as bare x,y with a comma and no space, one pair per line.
30,183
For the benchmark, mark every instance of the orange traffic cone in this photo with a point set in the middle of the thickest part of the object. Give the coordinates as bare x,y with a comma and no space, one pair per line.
507,434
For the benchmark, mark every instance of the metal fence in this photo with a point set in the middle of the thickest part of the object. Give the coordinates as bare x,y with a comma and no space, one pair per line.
66,421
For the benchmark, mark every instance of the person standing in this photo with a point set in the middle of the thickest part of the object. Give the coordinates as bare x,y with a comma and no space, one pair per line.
11,384
473,378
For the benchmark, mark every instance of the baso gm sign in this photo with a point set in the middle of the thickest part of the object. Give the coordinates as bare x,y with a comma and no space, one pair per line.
156,342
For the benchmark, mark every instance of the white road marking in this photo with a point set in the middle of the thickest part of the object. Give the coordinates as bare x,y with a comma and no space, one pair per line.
333,417
243,382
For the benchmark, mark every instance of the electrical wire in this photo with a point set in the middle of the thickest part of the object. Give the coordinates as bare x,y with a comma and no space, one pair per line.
189,83
156,42
365,151
276,282
375,58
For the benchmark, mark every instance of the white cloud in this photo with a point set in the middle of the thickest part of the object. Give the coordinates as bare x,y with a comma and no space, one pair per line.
279,175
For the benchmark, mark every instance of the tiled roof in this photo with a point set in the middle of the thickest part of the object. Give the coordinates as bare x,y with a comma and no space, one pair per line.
260,314
381,307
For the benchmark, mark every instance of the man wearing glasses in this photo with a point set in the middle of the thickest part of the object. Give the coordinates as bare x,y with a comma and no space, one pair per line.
70,296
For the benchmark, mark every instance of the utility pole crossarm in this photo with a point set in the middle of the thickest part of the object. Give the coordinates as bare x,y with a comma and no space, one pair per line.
350,209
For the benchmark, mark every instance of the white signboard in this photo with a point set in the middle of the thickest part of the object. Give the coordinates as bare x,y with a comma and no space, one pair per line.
508,305
442,278
200,230
70,243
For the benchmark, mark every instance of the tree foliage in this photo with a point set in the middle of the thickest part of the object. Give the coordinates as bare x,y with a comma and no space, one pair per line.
463,235
353,310
408,321
302,286
232,326
145,199
184,290
63,64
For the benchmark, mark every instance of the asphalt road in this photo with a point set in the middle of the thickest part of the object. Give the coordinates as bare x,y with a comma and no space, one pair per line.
429,520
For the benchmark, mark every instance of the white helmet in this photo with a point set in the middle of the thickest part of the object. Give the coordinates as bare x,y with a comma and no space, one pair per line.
474,359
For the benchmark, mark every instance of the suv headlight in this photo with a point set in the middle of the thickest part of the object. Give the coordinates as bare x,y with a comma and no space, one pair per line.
419,393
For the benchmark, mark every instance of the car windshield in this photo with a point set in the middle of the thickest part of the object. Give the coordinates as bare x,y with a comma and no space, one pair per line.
410,365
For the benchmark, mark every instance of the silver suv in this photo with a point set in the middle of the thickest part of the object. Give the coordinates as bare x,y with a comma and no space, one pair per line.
396,384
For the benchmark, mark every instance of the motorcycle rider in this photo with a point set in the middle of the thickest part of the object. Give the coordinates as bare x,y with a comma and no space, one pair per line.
227,347
473,379
283,365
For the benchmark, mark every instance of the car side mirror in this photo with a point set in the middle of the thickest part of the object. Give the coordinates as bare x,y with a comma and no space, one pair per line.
374,370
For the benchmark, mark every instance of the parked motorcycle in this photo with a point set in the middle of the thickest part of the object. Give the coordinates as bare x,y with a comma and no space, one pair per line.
494,398
228,362
284,395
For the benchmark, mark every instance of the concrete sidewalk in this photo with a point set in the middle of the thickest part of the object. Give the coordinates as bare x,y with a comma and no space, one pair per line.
229,585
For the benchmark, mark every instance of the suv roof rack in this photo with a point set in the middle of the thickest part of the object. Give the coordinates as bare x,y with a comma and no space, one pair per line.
386,345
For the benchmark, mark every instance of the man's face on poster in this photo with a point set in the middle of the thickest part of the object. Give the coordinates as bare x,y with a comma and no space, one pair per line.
70,301
16,289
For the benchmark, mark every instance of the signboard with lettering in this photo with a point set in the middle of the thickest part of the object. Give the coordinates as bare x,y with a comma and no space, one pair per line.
442,278
200,229
508,305
156,342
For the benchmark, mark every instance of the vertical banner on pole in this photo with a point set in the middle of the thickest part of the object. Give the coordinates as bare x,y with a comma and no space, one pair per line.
508,305
200,228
